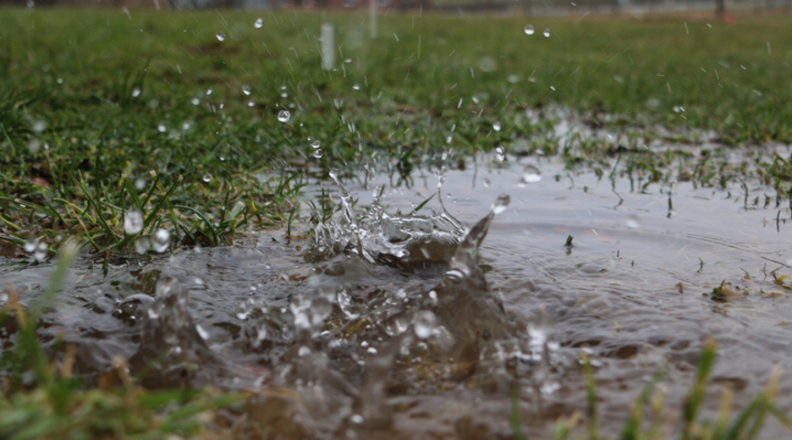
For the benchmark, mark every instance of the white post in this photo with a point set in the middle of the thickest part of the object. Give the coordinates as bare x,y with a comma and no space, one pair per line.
328,46
372,18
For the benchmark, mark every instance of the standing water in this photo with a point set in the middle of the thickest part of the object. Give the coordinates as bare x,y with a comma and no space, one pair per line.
419,326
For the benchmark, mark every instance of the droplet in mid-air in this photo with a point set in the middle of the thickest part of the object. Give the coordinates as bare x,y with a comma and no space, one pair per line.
220,36
315,145
162,127
529,29
284,116
501,203
140,183
142,245
259,23
133,222
356,87
40,254
160,241
531,174
496,126
246,90
318,153
251,103
136,92
207,178
546,33
31,244
424,324
195,101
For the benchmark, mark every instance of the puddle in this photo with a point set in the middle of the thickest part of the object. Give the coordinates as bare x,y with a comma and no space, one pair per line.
385,324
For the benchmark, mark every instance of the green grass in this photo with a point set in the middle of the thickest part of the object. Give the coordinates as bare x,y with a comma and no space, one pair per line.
87,90
83,95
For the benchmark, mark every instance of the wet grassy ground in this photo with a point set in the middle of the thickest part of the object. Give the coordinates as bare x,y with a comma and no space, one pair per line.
102,112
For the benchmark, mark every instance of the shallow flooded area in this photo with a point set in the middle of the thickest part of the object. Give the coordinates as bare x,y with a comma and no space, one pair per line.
443,323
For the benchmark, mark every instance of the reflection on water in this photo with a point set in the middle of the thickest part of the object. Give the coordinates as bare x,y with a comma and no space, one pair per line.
385,322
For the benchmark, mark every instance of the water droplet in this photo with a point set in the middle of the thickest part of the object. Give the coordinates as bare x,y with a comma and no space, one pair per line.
207,178
209,91
315,145
220,36
531,174
501,203
30,244
356,87
41,252
356,419
284,116
195,101
318,153
496,126
34,145
259,23
140,183
133,222
39,126
160,241
487,182
246,90
136,92
162,127
529,29
142,245
201,332
679,109
546,33
251,104
348,61
500,154
632,222
424,324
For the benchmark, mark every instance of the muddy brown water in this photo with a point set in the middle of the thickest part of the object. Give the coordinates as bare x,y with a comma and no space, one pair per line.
363,347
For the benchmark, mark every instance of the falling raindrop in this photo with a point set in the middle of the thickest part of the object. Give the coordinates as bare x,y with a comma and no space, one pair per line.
318,153
160,241
546,33
31,244
251,103
496,126
501,203
315,145
133,222
246,90
259,23
161,128
529,29
424,324
136,92
220,36
284,95
531,174
284,116
209,91
207,178
195,101
356,87
140,183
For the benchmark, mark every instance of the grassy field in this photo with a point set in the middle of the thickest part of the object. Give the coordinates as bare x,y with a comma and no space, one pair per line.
100,110
104,112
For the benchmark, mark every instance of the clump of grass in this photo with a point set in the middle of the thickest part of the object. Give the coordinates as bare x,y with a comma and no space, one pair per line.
744,425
